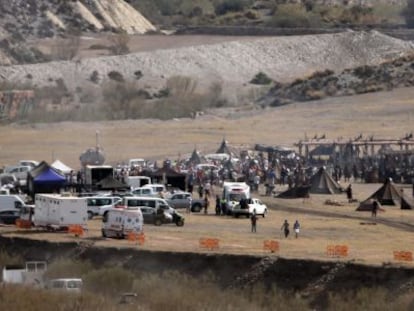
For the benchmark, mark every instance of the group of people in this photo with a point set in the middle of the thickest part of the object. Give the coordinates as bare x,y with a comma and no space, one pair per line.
285,226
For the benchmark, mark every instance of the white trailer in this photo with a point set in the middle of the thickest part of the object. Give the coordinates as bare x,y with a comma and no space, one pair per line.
31,274
59,211
233,192
118,222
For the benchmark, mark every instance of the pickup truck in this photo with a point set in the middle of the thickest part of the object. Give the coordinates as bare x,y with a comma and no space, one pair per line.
182,200
252,205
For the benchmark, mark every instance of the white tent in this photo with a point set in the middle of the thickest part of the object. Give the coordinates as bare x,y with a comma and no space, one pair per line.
62,167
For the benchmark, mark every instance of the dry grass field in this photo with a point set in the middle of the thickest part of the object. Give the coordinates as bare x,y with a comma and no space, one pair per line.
370,241
384,115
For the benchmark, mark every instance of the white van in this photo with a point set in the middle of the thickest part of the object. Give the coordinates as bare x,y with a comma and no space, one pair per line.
100,205
155,203
10,202
70,285
117,223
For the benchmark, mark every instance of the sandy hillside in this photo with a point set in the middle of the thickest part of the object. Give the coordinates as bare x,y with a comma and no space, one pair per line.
233,63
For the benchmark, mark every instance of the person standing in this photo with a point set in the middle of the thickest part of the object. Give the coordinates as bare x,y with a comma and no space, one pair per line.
285,228
253,220
349,193
296,227
375,207
206,204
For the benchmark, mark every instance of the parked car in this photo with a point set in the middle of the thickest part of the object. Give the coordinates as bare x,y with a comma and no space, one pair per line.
9,217
160,216
183,200
99,205
251,205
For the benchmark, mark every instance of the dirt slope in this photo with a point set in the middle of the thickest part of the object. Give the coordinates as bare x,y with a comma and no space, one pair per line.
233,64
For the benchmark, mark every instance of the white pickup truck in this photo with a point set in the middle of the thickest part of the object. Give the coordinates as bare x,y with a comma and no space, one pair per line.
251,205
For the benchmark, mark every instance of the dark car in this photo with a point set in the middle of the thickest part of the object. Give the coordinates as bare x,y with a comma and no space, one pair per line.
152,217
9,217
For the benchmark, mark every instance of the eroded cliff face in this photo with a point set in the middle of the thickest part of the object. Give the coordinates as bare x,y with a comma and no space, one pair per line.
311,279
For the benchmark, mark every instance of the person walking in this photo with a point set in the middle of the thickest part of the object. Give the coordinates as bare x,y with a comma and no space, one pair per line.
253,220
285,228
296,227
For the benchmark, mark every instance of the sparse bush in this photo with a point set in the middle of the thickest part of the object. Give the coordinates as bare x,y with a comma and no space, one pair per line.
261,79
116,76
294,16
227,6
119,43
94,76
321,74
138,74
364,72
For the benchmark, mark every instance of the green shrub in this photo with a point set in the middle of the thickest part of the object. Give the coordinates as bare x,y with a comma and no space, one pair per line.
261,79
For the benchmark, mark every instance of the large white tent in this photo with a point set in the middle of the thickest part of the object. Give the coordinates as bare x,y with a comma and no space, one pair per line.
62,167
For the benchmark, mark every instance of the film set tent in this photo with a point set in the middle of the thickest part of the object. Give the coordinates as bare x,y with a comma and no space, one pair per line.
45,179
167,176
295,192
62,167
389,195
323,183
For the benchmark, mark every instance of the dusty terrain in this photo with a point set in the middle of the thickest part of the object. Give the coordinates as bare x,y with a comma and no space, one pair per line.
384,115
370,241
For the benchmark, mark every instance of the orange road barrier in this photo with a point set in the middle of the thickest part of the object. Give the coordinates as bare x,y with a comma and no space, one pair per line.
23,224
77,230
403,256
271,245
337,251
209,243
138,237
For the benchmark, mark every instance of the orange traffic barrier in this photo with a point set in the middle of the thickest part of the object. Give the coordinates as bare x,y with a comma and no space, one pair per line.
337,251
271,245
138,237
209,243
403,256
77,230
23,224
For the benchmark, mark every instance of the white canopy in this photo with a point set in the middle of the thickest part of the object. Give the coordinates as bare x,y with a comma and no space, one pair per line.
60,166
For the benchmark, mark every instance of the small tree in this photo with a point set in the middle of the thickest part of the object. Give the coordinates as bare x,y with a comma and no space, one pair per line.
261,78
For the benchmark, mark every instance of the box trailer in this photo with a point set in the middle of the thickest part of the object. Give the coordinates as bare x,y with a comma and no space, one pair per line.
60,211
